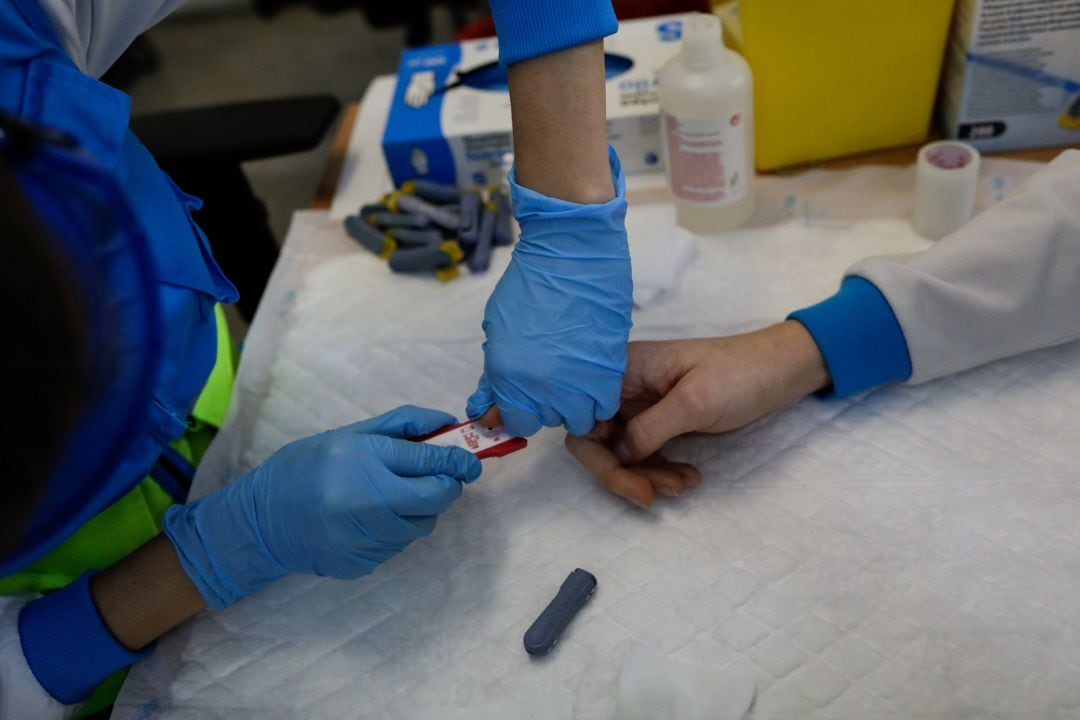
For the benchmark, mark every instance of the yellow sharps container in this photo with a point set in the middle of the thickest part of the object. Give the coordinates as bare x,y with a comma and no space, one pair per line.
838,77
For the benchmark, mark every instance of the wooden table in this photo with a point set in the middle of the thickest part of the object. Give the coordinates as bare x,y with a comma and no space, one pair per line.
905,155
324,194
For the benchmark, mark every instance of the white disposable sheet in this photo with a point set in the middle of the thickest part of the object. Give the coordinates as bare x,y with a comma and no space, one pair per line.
661,250
656,687
910,553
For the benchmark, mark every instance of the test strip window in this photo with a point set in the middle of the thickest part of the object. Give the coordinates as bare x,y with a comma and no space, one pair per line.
480,441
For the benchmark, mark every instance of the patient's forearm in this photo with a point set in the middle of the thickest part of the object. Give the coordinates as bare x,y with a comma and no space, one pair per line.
1003,284
145,595
560,131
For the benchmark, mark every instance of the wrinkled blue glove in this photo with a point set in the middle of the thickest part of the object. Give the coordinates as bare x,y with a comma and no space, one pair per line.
337,504
558,322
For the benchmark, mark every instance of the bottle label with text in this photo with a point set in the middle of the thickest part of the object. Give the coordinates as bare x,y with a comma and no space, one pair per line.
707,158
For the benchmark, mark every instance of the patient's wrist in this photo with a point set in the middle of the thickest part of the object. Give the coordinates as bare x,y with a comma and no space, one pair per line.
807,370
859,336
790,365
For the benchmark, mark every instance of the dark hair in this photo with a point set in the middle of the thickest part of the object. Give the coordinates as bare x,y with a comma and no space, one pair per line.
42,363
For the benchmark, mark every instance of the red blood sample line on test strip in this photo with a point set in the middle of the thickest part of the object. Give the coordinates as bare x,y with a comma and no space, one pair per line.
476,439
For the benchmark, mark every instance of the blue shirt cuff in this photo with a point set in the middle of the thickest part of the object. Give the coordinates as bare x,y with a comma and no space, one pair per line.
530,28
859,337
67,645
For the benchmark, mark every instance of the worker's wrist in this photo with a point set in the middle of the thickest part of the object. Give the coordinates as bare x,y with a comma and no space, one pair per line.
67,644
145,595
566,160
858,336
530,28
196,531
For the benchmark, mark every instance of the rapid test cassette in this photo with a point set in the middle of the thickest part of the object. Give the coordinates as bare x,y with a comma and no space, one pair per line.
474,437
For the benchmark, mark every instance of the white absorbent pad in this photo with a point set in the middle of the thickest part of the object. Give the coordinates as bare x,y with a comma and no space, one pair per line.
661,251
555,705
910,553
655,687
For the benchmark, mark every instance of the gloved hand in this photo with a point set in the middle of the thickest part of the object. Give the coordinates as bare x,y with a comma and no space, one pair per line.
337,504
558,322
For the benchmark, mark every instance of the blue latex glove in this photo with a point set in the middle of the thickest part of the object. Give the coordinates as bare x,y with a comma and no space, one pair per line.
337,504
558,322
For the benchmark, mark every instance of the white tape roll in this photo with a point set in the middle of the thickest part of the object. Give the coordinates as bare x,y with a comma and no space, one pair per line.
945,183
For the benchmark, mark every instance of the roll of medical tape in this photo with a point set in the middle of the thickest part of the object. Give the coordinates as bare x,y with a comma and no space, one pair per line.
946,177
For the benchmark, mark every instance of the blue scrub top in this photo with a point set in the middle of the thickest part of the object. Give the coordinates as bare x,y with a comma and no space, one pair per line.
40,84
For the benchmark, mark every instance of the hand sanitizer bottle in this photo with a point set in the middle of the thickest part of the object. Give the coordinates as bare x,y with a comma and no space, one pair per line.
706,105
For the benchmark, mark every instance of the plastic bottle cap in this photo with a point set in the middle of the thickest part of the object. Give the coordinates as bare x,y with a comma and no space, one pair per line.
701,39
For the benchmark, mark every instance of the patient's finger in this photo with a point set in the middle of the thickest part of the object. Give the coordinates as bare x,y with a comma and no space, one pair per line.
630,408
664,481
667,477
601,431
689,474
648,431
491,418
598,459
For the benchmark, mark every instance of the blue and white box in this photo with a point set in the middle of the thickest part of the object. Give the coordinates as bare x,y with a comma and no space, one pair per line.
1012,74
450,119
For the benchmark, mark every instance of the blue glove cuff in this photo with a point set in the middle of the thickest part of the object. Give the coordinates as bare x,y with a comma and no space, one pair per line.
859,337
67,645
530,28
558,321
181,525
544,218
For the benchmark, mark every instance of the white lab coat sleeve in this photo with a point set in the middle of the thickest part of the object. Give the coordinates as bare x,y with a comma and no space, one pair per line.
1005,283
96,32
21,696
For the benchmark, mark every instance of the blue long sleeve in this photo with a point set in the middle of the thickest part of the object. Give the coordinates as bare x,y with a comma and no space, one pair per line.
530,28
859,337
67,645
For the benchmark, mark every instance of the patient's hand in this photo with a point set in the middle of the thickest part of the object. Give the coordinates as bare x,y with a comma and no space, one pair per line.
681,386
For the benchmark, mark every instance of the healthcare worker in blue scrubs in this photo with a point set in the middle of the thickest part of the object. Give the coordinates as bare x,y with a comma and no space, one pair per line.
120,367
117,364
